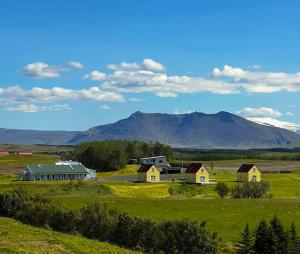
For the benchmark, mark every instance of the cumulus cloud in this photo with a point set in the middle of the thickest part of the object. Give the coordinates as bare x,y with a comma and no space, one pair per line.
76,65
95,75
17,95
152,65
259,112
123,66
40,70
289,113
134,99
277,123
105,107
258,81
32,108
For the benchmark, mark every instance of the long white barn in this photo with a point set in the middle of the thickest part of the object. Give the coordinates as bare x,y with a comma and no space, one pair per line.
56,172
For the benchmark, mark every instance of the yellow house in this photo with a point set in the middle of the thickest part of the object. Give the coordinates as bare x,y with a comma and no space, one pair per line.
148,173
248,173
196,173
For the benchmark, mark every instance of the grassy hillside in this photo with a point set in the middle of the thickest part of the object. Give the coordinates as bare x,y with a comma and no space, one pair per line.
16,237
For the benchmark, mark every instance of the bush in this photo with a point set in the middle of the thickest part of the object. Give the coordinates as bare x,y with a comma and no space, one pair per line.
251,190
222,189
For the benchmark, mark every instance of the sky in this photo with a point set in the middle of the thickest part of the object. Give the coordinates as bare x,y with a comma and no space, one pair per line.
72,65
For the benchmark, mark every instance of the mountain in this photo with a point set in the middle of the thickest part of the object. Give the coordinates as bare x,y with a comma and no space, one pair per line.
30,137
196,130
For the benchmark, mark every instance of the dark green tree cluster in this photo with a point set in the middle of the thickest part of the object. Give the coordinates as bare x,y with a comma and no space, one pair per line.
270,238
251,190
114,155
245,190
104,224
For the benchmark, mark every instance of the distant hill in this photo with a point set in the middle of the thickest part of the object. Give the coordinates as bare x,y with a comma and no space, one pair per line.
30,137
196,130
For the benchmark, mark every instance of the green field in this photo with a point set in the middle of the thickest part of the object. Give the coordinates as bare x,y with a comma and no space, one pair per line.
154,201
13,163
16,237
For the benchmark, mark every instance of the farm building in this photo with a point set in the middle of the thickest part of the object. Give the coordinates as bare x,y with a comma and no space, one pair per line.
4,153
248,173
157,161
148,173
196,173
56,172
24,153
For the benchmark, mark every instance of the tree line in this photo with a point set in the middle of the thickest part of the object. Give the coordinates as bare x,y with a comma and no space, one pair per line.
235,155
107,225
114,155
269,238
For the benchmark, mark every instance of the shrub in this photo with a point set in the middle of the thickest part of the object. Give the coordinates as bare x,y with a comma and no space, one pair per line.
222,189
251,190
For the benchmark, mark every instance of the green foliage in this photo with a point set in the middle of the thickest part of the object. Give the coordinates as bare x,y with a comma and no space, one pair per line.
114,155
251,190
222,189
269,239
245,245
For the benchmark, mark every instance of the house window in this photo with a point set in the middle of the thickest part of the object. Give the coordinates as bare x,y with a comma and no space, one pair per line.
202,179
254,178
152,178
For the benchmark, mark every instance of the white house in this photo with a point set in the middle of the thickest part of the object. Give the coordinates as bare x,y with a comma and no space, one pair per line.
157,161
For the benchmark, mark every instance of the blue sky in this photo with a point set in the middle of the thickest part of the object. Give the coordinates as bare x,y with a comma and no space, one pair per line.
71,65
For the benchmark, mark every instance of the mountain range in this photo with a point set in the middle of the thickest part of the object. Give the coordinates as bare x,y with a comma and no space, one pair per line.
222,130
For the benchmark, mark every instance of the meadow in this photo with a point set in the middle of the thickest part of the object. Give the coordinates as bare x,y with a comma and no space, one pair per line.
16,237
158,202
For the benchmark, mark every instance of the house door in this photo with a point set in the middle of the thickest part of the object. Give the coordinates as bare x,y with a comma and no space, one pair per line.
202,179
152,178
254,178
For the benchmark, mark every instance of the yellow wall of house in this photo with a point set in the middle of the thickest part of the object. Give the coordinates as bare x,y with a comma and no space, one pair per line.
196,177
248,176
146,176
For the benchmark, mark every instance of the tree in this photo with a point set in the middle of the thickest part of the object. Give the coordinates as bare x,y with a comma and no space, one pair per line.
222,189
279,235
245,246
264,241
294,241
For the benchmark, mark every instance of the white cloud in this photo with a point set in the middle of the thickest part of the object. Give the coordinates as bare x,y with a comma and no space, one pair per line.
28,108
277,123
289,113
259,112
76,65
124,66
40,70
32,108
178,112
95,75
256,66
258,81
104,107
152,65
17,95
134,99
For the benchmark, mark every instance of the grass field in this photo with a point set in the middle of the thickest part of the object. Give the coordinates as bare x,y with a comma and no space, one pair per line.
13,163
155,201
16,237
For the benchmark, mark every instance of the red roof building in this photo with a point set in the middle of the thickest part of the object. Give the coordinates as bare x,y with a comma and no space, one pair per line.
4,153
24,153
